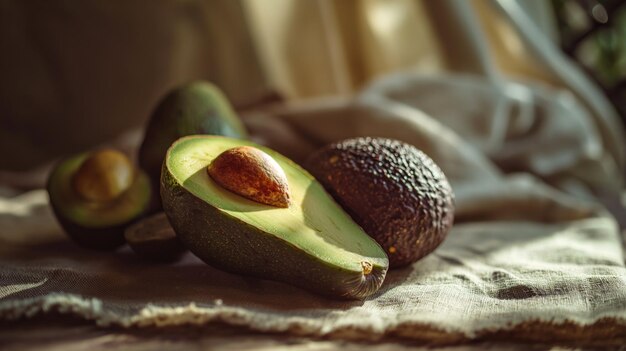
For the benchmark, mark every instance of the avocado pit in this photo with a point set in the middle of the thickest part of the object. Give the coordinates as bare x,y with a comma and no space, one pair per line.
103,176
251,173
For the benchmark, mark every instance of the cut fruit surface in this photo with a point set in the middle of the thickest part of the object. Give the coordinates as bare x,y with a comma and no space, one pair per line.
95,224
91,213
312,243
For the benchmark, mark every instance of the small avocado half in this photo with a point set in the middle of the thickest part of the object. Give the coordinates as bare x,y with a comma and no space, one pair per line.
393,190
154,239
194,108
92,214
312,243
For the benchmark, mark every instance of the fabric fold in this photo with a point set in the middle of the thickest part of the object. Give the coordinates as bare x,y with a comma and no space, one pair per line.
528,257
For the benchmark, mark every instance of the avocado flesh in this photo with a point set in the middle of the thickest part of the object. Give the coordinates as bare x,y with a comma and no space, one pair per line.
313,243
92,224
196,108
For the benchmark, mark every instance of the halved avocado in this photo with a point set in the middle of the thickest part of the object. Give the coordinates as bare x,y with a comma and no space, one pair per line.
154,239
194,108
313,243
91,223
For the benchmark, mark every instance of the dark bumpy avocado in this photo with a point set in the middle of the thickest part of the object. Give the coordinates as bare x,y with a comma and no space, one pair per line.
154,239
96,195
195,108
393,190
312,243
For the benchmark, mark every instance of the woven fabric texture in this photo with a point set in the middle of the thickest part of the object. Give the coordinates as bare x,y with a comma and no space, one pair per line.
531,254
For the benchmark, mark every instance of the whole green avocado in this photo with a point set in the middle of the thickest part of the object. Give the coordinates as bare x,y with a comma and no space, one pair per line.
194,108
390,188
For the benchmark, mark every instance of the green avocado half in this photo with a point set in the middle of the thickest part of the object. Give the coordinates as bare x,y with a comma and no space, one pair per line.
313,243
154,239
95,225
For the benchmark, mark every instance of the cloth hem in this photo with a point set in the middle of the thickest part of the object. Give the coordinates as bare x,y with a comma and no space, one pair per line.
530,329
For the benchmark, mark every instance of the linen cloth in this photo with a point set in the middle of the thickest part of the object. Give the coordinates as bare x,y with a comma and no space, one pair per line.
531,254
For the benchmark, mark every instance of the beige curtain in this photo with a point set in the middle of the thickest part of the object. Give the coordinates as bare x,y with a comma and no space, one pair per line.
322,47
93,70
79,73
328,48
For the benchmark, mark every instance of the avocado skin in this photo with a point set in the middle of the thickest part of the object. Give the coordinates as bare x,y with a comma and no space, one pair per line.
396,193
162,249
195,108
234,246
101,239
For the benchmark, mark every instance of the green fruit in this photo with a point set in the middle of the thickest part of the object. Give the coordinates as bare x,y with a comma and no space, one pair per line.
154,239
393,190
96,195
195,108
312,243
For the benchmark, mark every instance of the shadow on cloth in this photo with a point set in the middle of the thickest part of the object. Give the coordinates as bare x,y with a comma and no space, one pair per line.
74,270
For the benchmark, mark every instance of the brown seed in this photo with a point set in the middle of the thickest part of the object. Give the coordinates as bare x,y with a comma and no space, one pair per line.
251,173
103,176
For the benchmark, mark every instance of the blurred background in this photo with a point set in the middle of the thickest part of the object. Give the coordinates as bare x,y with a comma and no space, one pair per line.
76,74
594,34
